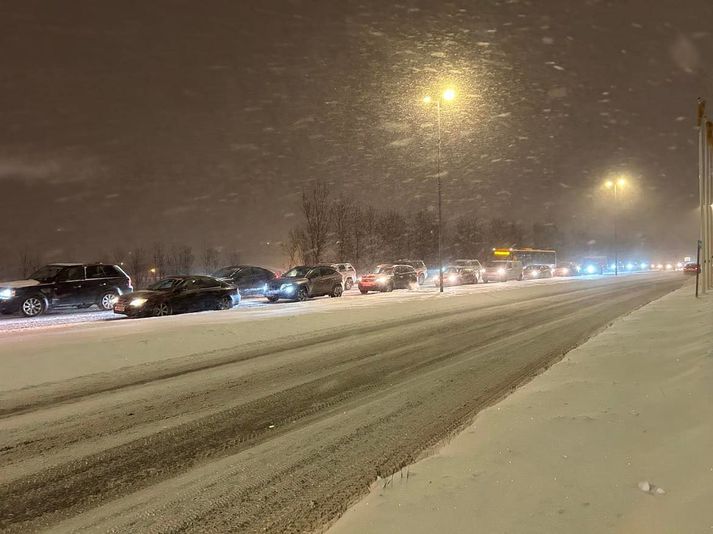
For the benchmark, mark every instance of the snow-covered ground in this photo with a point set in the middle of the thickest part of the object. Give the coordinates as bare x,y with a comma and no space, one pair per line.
616,437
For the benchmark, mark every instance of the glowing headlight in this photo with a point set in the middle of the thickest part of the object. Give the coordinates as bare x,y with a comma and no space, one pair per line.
264,287
534,274
643,265
565,271
659,266
629,266
382,279
501,271
287,288
591,269
613,266
669,266
452,278
7,293
137,302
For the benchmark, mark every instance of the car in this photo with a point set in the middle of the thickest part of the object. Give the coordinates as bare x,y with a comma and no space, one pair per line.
65,285
249,280
534,272
566,269
179,294
418,265
473,265
503,270
455,275
348,272
388,277
304,282
691,268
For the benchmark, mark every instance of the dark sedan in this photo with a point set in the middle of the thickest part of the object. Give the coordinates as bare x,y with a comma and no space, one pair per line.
179,294
455,275
250,280
388,278
534,272
304,282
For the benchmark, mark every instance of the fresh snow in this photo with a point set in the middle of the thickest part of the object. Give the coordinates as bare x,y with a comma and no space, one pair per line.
586,447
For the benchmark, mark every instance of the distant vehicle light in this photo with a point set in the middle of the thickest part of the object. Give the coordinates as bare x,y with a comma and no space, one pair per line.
565,271
382,279
591,269
643,265
501,271
138,302
679,265
629,266
669,266
613,266
453,278
659,266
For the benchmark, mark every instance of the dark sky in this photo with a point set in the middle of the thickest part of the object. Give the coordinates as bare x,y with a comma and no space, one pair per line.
129,122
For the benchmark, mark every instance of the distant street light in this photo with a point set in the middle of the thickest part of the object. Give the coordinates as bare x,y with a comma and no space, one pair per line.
447,96
614,185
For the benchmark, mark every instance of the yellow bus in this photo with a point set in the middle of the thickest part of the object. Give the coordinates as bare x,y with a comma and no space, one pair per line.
528,256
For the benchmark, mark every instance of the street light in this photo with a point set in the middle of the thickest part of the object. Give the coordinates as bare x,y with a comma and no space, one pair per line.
614,185
447,96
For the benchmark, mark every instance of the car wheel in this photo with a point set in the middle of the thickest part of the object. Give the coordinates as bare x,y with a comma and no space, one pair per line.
107,300
224,303
161,310
363,291
302,294
337,291
33,306
348,284
273,299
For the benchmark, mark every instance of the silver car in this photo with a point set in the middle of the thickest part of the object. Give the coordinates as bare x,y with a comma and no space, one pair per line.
349,276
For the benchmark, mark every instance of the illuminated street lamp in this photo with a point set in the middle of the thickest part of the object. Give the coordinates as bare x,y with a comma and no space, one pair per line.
614,185
447,96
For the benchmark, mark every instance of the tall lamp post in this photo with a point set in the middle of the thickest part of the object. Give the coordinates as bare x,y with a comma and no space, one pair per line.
614,185
446,96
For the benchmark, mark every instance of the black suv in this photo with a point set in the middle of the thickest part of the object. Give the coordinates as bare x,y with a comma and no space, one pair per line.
65,285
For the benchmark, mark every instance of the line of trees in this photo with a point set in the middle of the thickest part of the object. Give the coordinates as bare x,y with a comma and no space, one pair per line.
340,229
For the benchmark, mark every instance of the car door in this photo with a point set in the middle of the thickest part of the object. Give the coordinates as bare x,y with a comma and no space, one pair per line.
187,296
96,283
327,278
69,287
245,281
401,276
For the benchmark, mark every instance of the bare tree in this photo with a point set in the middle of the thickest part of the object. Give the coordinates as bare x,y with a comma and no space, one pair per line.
29,261
211,259
343,221
159,261
138,266
315,208
292,246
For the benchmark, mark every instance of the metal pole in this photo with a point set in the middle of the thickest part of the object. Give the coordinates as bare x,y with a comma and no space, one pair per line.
709,200
616,245
440,219
698,263
703,265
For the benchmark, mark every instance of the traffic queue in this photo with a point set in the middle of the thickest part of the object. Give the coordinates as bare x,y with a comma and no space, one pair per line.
108,287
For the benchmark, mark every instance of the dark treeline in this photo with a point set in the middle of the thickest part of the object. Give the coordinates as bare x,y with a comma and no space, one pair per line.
340,229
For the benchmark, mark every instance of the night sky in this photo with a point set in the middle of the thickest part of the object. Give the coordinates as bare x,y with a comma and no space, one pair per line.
130,122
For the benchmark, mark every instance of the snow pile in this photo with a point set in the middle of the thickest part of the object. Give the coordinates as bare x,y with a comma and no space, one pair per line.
616,437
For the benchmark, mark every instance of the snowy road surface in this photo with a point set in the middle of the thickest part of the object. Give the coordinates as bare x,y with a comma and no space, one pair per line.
274,419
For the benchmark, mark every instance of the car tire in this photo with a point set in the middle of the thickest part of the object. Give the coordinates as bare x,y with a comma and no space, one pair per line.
161,309
363,291
302,294
336,291
224,303
273,299
348,284
33,306
107,300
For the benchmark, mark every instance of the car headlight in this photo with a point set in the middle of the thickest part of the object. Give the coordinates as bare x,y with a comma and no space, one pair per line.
7,293
382,279
287,288
501,271
565,271
591,269
535,274
452,278
137,302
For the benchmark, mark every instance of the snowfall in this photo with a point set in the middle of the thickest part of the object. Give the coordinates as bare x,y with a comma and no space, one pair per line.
616,437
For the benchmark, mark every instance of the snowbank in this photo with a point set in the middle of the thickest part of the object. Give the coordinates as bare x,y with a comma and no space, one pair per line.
616,437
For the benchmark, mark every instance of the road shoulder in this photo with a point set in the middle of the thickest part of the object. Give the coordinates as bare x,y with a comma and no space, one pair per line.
616,436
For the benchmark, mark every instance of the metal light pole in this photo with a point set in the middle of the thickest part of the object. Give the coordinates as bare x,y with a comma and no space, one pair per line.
448,95
615,185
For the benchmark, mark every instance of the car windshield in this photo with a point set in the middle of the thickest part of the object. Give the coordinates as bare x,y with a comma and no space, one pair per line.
297,272
46,273
225,272
462,262
385,270
166,284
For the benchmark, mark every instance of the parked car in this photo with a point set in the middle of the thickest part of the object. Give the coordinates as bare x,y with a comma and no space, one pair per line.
348,272
503,270
249,280
179,294
418,265
304,282
65,285
454,275
691,268
389,277
534,272
566,269
473,265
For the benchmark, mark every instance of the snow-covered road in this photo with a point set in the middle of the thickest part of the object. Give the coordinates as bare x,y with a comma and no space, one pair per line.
270,417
